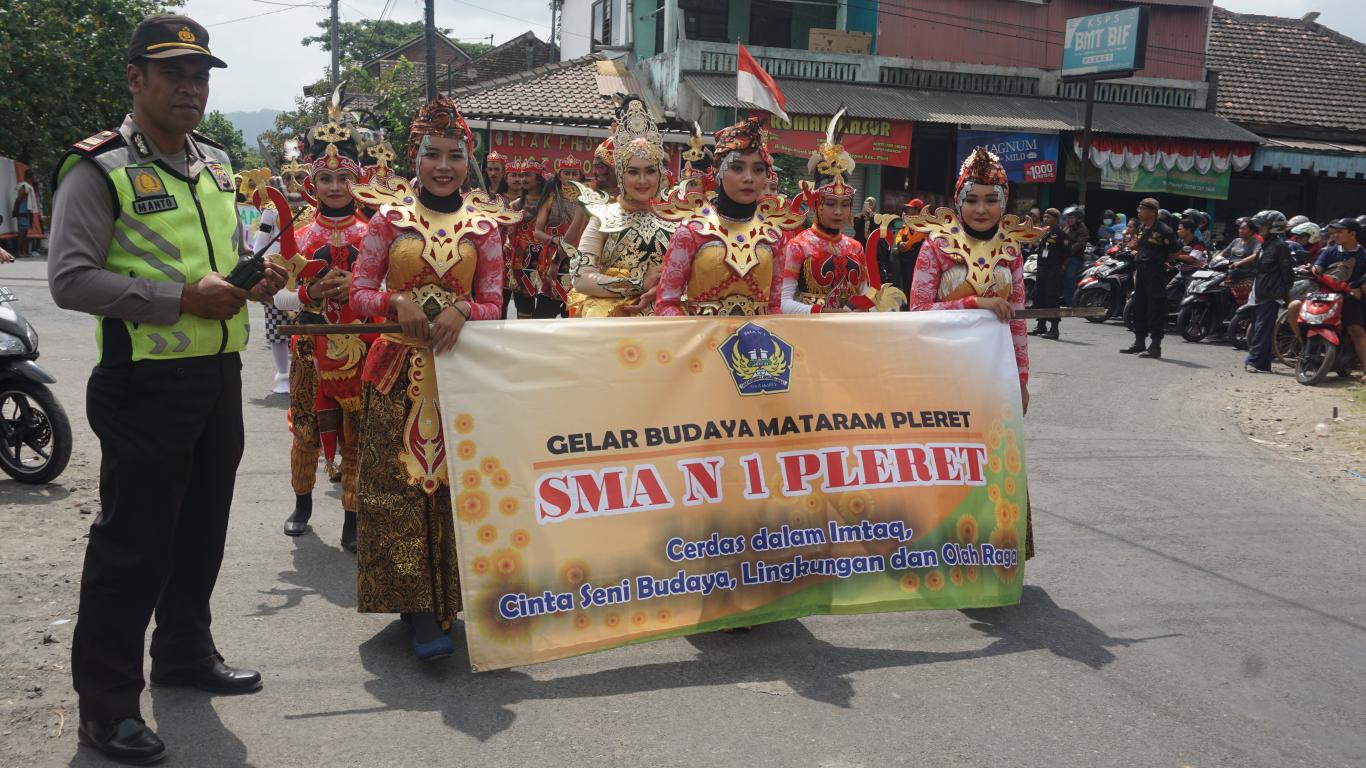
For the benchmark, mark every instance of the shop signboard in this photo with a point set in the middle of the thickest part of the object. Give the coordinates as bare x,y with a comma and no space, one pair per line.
869,142
1105,43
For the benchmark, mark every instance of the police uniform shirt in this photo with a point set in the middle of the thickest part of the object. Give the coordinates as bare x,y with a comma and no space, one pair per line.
82,227
1157,243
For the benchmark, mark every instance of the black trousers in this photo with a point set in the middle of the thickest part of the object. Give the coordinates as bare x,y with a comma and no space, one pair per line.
1048,286
171,438
1150,301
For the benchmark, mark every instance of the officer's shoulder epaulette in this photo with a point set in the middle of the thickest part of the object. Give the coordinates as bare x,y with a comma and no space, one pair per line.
98,143
206,140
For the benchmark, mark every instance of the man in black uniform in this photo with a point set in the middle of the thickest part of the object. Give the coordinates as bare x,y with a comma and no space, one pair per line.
144,229
1053,255
1156,244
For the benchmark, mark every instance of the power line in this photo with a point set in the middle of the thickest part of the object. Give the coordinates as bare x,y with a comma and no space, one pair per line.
266,13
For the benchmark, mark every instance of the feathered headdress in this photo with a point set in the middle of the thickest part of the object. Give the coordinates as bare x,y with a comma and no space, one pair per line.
336,145
829,165
981,167
293,173
695,161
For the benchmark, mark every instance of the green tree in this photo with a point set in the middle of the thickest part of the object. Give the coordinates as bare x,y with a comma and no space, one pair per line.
218,128
63,64
361,41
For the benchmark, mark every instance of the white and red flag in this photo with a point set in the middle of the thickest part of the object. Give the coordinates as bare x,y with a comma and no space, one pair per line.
756,87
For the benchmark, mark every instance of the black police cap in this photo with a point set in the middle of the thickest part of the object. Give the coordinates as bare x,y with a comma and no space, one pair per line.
165,36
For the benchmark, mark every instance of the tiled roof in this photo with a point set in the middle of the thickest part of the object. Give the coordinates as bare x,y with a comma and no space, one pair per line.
1286,72
519,54
564,92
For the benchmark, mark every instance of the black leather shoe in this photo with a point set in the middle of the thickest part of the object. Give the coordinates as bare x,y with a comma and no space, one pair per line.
348,537
1153,352
127,740
297,524
211,675
1134,348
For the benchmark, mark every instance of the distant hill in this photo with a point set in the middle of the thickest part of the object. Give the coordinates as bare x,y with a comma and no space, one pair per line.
252,124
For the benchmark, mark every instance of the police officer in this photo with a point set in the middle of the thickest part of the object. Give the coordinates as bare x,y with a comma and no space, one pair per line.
1048,275
1156,244
144,228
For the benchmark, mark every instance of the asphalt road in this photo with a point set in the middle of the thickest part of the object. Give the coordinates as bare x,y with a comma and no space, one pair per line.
1193,603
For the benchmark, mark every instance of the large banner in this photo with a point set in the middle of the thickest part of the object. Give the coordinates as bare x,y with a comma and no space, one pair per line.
1029,158
869,142
622,480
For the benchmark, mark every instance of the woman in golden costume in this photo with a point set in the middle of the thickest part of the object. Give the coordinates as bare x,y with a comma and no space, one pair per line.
619,255
432,261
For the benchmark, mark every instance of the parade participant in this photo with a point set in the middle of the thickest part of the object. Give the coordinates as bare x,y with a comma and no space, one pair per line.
557,221
604,169
1155,244
824,269
249,184
524,257
145,227
771,186
1275,271
1055,249
431,260
623,244
971,258
696,158
327,247
726,255
495,169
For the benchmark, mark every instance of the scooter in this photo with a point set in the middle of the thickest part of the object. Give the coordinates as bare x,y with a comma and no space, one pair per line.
35,435
1107,284
1212,297
1326,347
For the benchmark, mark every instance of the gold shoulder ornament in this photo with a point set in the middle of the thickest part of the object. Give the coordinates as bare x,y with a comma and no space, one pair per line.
688,204
479,214
979,256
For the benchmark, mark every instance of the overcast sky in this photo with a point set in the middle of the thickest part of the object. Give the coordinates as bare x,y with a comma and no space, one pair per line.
268,67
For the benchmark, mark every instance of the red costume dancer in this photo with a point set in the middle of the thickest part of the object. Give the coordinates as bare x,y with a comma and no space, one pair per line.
431,260
726,255
825,268
526,257
495,171
321,256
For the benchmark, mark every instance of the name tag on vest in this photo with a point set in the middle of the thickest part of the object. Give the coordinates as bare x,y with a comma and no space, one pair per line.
149,193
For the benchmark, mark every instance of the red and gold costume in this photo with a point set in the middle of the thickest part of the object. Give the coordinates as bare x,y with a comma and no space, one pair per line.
407,560
725,266
825,269
956,268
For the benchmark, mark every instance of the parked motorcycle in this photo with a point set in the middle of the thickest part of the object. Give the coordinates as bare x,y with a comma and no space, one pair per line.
1107,284
35,435
1326,347
1213,295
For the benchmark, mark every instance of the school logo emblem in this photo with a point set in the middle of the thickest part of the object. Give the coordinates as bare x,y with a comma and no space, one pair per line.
759,362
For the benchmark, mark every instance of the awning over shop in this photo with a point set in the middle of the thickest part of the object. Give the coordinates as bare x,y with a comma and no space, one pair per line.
1151,154
1307,156
986,111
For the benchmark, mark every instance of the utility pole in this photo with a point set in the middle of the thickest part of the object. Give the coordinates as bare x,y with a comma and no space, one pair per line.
431,50
336,52
554,49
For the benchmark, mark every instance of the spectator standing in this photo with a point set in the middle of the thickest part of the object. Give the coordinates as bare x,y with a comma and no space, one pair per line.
1156,244
1274,268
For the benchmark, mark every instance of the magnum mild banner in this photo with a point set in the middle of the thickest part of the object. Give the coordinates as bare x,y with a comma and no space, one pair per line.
622,480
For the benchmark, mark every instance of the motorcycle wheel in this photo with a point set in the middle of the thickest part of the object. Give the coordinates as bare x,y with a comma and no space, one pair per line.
32,422
1240,330
1193,322
1316,360
1092,297
1129,314
1285,345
